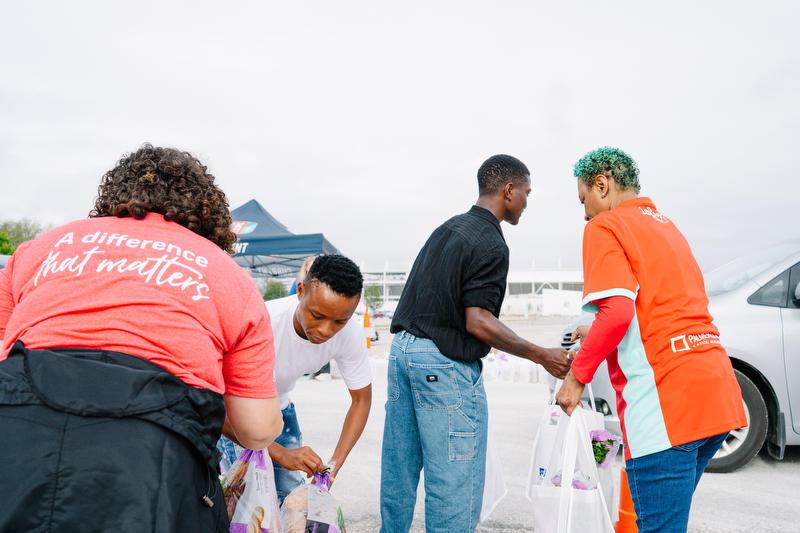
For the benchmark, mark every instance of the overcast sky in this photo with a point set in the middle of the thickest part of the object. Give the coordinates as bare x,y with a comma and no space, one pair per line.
368,120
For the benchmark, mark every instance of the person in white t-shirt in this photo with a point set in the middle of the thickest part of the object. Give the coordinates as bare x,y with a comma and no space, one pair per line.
311,329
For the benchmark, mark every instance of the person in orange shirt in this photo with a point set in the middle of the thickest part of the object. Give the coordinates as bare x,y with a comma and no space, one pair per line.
677,395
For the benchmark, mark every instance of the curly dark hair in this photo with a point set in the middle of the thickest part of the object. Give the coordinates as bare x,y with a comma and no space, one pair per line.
170,182
337,272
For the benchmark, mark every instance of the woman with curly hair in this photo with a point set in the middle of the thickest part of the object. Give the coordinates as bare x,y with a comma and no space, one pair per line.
677,395
126,338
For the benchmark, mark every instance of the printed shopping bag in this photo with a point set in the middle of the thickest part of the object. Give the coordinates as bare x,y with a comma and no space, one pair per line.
250,496
313,509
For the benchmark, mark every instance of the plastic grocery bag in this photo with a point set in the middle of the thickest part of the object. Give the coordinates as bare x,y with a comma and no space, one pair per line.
250,496
313,509
569,497
494,487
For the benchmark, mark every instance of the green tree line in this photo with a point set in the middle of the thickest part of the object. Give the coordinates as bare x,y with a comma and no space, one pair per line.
15,232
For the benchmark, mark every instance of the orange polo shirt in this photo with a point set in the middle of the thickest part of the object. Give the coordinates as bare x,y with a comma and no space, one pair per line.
674,380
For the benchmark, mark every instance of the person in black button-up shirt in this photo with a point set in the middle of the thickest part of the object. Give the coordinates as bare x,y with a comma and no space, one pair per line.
446,321
463,264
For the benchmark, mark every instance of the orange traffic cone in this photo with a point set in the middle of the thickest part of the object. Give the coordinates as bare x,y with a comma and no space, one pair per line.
367,321
627,515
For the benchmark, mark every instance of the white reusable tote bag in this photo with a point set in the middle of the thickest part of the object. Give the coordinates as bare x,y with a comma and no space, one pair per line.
566,509
494,487
542,454
545,454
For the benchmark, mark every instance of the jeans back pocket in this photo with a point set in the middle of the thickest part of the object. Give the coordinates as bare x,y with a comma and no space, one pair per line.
434,385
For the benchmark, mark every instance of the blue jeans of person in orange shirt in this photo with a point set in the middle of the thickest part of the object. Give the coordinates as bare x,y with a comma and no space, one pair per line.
662,484
291,437
436,419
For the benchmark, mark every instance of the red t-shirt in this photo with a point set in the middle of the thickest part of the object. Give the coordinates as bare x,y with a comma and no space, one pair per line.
149,288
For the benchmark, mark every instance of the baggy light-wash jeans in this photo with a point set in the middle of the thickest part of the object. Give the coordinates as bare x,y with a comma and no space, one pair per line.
436,420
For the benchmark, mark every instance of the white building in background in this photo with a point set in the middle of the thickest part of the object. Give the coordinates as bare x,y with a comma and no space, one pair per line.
529,292
391,285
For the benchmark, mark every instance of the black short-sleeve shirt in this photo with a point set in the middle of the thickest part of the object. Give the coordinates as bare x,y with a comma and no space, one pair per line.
463,264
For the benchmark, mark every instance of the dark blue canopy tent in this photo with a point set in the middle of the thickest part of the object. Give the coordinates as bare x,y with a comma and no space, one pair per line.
267,248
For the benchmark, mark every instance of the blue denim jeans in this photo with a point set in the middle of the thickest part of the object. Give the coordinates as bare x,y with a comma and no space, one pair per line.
662,484
285,480
436,420
229,451
288,480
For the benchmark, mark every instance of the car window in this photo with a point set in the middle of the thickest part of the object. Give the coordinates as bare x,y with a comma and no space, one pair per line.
794,286
774,293
735,274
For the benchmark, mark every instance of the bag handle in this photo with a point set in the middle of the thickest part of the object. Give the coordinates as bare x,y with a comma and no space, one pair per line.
585,447
569,460
577,441
592,403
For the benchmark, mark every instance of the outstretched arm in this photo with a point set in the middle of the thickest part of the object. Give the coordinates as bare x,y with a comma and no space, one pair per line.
485,327
354,423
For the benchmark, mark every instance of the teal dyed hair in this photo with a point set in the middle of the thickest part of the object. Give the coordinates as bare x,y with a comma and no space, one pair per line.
610,162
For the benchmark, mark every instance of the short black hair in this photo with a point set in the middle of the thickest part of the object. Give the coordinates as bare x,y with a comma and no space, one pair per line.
498,170
337,272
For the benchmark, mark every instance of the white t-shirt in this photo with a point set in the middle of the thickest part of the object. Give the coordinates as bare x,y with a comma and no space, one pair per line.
296,356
